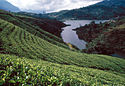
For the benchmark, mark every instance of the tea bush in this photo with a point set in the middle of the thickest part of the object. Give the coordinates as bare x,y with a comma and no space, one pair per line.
19,72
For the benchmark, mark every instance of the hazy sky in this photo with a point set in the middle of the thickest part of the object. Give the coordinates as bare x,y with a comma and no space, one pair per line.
51,5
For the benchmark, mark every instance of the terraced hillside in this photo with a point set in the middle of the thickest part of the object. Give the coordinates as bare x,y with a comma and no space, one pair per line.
31,56
89,69
39,72
50,25
25,23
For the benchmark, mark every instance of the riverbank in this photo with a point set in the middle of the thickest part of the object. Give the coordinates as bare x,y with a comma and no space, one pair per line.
104,38
119,54
69,35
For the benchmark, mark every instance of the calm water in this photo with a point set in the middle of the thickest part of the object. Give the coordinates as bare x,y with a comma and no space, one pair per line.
70,36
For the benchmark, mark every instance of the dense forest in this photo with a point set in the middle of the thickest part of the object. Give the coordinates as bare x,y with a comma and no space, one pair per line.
107,9
104,38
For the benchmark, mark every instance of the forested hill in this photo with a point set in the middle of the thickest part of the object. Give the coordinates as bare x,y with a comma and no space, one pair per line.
106,9
104,38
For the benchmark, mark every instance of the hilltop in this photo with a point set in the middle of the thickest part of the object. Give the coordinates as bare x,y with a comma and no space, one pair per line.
107,9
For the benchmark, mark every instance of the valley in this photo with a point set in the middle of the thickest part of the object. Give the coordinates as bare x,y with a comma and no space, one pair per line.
79,47
18,42
69,35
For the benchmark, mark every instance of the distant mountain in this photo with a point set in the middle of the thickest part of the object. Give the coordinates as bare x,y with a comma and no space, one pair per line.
5,5
106,9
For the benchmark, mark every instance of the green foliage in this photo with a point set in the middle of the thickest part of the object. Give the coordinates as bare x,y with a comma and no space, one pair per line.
19,42
22,71
104,38
19,72
100,11
36,27
91,31
40,62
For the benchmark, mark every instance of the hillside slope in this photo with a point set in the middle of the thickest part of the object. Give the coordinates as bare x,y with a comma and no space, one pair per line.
30,59
49,25
20,70
15,40
106,9
25,23
104,38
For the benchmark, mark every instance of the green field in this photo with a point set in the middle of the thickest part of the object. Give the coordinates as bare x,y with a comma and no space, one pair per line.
52,64
25,23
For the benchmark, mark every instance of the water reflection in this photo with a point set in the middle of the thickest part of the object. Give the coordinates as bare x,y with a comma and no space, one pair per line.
70,36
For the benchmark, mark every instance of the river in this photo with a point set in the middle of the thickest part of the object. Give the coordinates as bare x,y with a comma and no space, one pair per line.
69,35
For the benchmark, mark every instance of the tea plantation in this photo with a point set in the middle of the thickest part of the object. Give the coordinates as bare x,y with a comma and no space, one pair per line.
29,59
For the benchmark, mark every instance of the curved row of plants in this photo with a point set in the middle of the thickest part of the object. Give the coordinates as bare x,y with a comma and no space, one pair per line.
19,42
18,72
